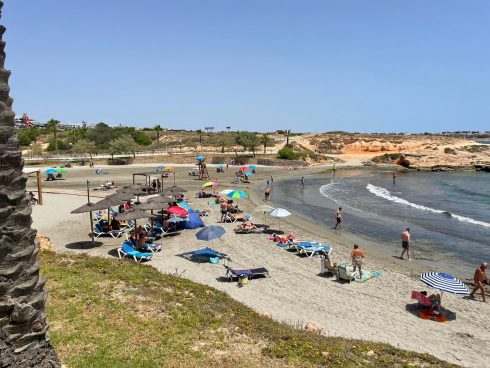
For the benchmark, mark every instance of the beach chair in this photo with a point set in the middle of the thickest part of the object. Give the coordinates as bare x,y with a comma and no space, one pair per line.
250,273
127,250
343,273
316,250
230,219
99,231
327,267
301,245
423,300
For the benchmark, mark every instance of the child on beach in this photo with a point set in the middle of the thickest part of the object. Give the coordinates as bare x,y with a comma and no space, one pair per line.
267,194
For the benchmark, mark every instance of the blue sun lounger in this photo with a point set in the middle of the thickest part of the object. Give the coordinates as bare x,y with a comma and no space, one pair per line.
250,273
99,231
127,250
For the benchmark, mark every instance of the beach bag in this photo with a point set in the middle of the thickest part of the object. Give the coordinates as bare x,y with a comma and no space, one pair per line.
242,280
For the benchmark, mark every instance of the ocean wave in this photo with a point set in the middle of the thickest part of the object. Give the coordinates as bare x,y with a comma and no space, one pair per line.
386,194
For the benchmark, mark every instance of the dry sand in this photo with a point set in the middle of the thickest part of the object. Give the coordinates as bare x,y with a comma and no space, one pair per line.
295,293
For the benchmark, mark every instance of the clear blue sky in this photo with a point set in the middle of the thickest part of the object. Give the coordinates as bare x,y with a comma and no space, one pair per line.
311,65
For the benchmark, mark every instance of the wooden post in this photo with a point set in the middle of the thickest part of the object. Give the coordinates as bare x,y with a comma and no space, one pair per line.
91,219
39,188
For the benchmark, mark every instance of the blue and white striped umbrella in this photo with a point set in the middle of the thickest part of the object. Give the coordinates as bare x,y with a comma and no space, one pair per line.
444,282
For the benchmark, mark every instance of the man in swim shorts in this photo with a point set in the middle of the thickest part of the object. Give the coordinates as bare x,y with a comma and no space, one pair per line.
338,216
357,256
479,278
406,243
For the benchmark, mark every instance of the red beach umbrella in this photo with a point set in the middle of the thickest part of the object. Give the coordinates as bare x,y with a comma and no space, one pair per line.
176,210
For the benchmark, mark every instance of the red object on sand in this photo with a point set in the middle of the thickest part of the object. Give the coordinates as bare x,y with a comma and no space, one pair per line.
429,314
176,210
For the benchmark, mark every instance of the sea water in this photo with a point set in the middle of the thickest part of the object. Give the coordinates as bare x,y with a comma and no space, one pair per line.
448,213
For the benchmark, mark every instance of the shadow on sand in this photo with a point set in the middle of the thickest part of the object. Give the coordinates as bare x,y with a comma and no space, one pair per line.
81,245
414,308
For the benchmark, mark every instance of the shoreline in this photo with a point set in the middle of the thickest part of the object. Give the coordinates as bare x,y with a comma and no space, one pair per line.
371,311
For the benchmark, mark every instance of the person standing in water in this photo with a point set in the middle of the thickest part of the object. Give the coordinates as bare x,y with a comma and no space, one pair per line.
394,177
302,182
338,216
406,243
272,180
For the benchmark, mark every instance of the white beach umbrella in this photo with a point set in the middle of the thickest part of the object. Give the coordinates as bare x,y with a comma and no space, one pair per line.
279,212
226,191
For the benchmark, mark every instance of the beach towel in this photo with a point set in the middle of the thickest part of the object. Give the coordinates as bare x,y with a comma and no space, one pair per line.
366,274
429,314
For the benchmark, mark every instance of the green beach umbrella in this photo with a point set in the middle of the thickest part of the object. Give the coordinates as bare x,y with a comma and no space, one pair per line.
61,170
237,194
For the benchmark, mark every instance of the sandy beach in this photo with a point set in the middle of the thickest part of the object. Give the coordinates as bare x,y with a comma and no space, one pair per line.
295,293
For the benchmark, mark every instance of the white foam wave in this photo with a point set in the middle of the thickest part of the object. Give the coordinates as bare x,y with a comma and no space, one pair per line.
386,194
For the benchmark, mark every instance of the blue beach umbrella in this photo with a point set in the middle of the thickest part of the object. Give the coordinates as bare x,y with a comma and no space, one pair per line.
444,282
249,173
220,165
200,158
210,233
237,194
252,167
50,171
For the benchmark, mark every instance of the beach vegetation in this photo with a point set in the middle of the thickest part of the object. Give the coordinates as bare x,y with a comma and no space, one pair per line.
247,140
141,138
52,126
265,139
84,146
450,151
110,313
287,153
124,144
57,145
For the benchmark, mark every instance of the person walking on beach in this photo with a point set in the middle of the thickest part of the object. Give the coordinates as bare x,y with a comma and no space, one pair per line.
338,217
479,278
267,194
406,243
357,255
272,180
302,182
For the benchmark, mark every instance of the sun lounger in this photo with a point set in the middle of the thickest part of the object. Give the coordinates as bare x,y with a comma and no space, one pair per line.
327,267
343,273
127,250
250,273
311,251
99,231
258,230
300,246
423,300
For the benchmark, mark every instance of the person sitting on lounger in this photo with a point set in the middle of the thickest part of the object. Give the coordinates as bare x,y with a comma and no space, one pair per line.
115,225
435,300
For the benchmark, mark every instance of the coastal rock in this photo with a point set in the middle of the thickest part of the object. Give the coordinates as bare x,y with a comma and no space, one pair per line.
265,314
314,328
402,161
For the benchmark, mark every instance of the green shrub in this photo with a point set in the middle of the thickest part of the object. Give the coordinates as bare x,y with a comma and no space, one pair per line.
287,153
450,151
142,139
62,145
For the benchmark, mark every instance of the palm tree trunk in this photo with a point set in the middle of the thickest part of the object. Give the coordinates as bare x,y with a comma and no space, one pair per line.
24,338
